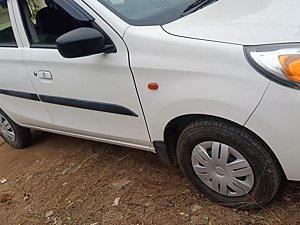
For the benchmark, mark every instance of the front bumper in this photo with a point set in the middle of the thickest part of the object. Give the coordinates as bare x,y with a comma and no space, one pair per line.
277,121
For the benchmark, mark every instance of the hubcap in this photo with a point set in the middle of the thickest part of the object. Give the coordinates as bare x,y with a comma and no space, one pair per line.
222,168
6,129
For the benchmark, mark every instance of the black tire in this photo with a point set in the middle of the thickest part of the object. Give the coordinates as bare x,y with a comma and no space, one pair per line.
22,135
266,170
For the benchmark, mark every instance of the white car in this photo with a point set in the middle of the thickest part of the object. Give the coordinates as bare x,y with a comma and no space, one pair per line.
210,85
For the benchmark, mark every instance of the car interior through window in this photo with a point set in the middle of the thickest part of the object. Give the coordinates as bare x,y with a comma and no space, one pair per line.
46,20
7,38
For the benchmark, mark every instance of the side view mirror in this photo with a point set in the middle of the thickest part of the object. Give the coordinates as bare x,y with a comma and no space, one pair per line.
82,42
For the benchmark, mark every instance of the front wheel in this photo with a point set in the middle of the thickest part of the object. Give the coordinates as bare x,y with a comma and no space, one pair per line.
228,164
16,136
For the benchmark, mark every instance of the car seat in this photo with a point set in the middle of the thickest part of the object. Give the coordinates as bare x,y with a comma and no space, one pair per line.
55,22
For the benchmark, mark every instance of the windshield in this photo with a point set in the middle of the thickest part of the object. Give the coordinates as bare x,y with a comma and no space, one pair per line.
149,12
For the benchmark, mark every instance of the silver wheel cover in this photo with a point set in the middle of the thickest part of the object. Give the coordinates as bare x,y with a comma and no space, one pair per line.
222,168
6,129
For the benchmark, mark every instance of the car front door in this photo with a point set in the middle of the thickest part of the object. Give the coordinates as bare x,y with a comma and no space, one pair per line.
18,97
94,96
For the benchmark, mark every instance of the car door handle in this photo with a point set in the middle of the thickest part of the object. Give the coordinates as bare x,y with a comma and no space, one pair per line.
42,74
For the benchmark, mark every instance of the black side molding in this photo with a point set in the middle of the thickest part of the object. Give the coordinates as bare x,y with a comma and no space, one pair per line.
83,104
163,153
96,106
20,94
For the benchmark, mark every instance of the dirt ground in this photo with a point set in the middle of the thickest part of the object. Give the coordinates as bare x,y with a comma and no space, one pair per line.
79,180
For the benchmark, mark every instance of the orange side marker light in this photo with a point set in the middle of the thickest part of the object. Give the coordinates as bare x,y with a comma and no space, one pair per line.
153,86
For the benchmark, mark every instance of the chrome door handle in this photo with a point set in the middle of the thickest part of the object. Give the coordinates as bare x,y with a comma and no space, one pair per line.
45,75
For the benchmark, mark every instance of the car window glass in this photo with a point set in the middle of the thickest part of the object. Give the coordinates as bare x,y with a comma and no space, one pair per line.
45,21
148,12
7,37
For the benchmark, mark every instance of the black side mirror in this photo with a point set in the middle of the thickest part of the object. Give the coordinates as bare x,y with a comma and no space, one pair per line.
82,42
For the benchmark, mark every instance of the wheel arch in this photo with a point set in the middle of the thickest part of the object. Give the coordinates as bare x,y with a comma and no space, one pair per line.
175,127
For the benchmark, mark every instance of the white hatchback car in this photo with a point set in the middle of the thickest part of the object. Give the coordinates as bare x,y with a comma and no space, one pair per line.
211,85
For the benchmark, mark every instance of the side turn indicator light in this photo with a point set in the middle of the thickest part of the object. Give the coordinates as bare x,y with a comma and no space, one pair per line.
291,66
153,86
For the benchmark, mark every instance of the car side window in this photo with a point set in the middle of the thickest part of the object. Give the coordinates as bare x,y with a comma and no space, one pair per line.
45,21
7,38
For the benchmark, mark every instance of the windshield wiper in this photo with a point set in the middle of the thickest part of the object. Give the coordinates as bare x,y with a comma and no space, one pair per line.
198,4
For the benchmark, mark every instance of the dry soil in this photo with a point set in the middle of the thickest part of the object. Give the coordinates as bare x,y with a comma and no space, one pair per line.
79,180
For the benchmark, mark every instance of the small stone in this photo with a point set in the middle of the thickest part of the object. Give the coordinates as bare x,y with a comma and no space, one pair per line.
183,214
49,214
116,201
5,198
65,171
195,208
64,184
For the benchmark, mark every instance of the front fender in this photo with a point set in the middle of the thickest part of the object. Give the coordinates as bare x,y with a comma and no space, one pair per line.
194,77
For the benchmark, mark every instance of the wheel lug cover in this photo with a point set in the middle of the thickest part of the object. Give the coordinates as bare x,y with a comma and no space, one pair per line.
222,168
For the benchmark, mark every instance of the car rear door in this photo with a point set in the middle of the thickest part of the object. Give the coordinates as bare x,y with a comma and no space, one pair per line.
91,96
18,97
